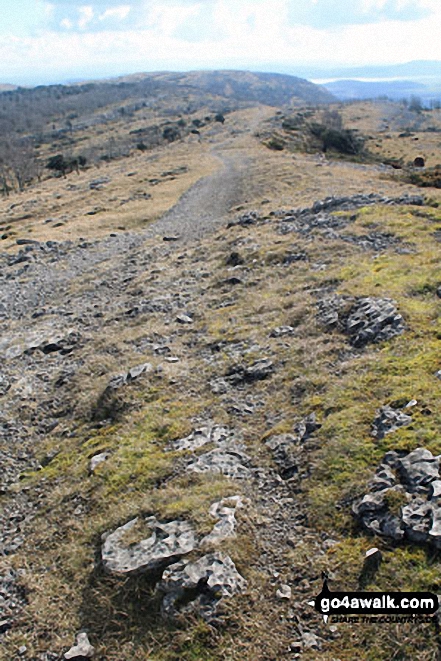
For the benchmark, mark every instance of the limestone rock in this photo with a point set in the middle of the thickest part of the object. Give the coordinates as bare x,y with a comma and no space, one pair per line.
165,543
231,463
225,511
259,370
206,581
284,592
217,434
404,498
418,469
373,320
97,460
388,420
125,377
82,650
364,320
281,331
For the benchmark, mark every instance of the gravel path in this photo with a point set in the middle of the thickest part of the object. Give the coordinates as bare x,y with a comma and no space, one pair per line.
207,203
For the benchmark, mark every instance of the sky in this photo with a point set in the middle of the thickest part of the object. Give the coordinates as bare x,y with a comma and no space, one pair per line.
48,41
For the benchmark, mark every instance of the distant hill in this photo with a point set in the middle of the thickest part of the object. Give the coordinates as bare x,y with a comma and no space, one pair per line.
5,87
272,89
35,110
347,90
418,70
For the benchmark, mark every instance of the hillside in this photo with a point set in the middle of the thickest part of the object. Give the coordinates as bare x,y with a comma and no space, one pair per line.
219,379
271,89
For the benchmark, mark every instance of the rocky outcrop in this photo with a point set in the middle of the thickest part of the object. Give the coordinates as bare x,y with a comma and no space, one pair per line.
229,462
216,434
404,498
201,583
363,320
388,420
165,544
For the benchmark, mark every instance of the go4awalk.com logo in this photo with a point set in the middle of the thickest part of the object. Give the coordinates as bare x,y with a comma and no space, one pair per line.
374,603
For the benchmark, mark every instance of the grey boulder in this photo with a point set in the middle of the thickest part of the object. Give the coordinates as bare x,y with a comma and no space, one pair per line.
165,543
204,581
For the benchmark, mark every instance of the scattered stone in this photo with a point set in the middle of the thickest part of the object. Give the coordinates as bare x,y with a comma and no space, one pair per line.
234,259
403,501
292,257
27,242
370,567
82,650
5,625
388,420
184,319
241,374
226,462
245,220
5,385
165,544
234,280
225,511
285,454
310,641
284,592
373,320
286,448
201,583
364,320
97,460
98,184
280,331
220,386
171,238
217,434
134,372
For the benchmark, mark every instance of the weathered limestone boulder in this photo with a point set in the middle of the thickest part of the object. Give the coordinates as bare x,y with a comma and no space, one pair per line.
203,582
364,320
163,545
82,649
231,463
216,434
241,374
418,469
225,511
404,500
373,320
389,420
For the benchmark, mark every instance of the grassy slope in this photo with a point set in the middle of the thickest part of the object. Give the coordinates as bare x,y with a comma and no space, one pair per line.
313,374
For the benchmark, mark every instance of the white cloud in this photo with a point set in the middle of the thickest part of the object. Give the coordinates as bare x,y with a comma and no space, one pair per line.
119,13
86,16
253,34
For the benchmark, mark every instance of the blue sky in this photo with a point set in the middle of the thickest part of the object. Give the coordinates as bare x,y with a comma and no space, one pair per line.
56,40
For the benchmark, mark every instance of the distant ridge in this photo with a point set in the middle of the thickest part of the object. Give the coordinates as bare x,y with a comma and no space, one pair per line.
268,88
395,89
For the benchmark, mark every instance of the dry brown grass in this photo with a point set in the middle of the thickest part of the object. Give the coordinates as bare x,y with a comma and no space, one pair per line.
66,588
